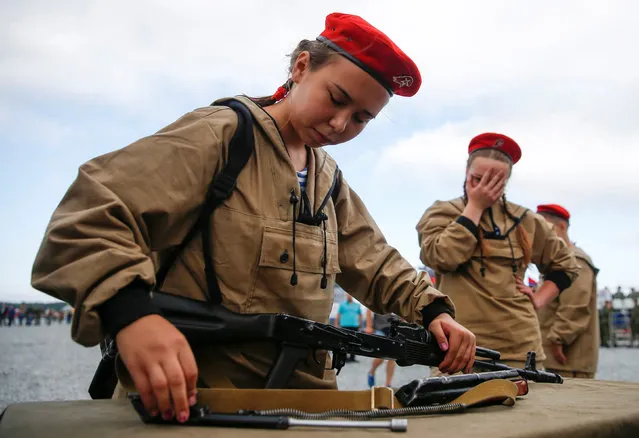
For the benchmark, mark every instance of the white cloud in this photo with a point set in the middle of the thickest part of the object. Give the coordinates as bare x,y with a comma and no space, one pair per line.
121,51
561,154
124,53
561,78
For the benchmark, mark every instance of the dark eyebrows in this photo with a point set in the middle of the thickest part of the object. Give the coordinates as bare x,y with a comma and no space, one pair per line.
350,99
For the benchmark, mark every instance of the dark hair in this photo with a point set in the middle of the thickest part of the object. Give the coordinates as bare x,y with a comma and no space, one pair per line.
320,55
553,218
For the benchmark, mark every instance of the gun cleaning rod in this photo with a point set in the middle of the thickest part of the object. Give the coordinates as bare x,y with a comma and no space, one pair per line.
395,424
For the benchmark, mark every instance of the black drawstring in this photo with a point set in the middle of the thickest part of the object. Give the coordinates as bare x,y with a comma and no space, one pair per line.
516,221
305,216
482,269
294,200
324,281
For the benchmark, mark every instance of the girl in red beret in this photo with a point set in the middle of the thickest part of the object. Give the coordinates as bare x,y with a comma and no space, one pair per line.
480,246
290,229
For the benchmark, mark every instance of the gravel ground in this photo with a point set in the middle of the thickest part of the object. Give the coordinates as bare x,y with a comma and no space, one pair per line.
40,363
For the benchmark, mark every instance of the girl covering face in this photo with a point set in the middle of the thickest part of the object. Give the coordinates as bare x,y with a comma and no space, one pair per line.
290,230
480,246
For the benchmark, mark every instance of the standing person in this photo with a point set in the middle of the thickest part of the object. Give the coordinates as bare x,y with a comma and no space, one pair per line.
479,245
11,315
21,313
379,325
605,322
634,322
349,317
271,246
570,322
48,316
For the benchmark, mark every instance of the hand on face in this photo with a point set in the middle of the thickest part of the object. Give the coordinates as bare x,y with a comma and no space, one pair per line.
486,189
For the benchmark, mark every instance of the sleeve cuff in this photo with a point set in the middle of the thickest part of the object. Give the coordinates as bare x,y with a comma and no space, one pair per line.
127,306
560,278
434,309
470,225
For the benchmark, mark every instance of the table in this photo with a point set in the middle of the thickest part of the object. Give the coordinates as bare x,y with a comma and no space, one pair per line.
578,408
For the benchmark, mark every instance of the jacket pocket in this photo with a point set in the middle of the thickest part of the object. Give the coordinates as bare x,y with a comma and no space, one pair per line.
274,291
277,250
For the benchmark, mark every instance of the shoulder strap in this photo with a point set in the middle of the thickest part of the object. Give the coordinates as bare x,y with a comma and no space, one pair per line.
220,189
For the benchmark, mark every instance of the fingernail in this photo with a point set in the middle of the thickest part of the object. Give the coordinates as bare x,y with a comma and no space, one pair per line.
183,417
443,346
168,414
154,413
192,400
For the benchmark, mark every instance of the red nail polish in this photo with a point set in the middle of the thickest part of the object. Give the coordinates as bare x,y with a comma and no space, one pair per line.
192,400
183,416
168,414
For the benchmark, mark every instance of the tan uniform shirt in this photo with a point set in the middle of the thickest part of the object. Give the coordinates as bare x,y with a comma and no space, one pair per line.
126,209
572,320
501,317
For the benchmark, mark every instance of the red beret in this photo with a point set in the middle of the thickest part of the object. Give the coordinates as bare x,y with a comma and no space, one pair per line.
369,48
501,142
554,209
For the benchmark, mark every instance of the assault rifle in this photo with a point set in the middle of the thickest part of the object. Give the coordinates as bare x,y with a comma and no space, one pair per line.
205,324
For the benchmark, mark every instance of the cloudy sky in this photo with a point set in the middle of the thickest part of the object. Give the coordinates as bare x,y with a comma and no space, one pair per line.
81,78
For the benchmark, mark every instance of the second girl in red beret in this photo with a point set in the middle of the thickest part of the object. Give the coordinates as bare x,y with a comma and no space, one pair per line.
480,246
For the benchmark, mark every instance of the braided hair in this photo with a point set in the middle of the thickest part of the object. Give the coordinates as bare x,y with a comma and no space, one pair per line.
522,236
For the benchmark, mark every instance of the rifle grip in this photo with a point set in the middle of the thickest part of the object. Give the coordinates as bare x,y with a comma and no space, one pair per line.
285,365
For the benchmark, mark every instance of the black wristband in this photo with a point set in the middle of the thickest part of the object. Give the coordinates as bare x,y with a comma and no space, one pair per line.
470,225
560,278
127,306
434,309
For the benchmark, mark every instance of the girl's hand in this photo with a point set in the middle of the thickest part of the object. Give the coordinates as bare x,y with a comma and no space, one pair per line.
483,193
161,365
558,353
526,290
547,292
457,341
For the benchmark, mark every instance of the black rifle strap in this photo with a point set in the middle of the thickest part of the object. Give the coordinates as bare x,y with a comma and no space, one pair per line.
220,189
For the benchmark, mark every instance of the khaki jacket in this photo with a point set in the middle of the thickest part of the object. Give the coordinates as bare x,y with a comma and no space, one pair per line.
500,316
128,207
572,319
